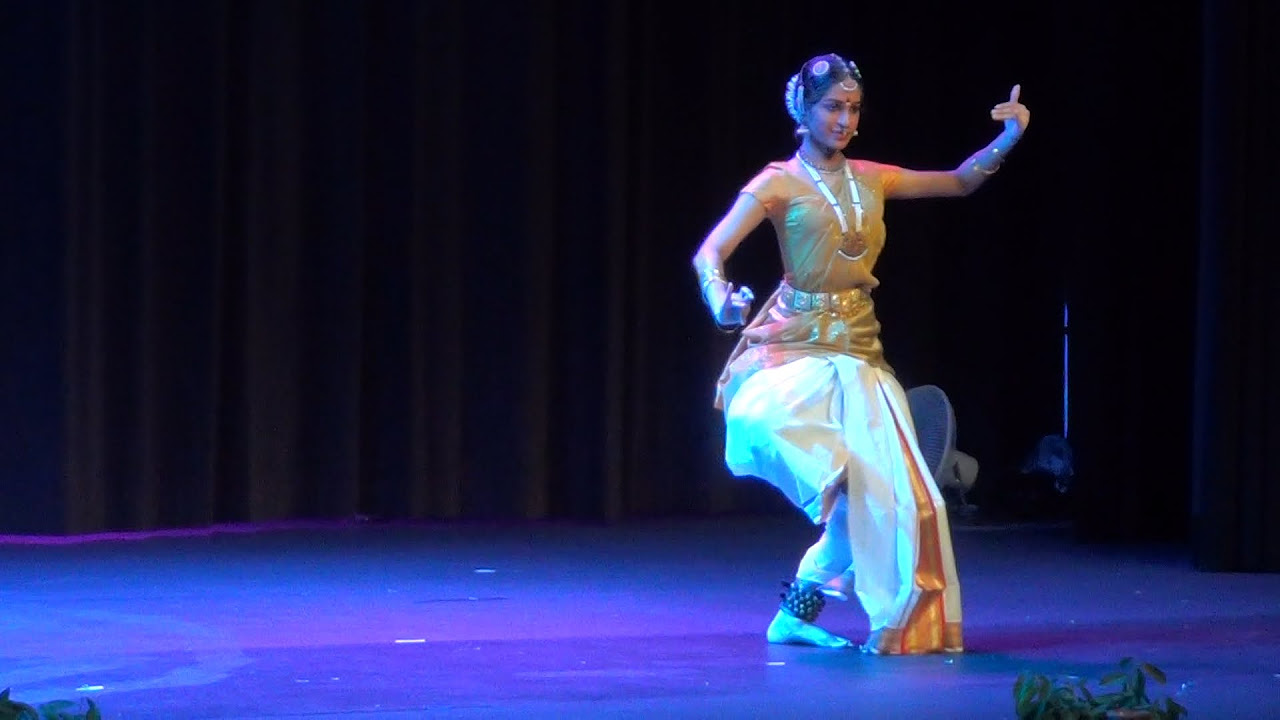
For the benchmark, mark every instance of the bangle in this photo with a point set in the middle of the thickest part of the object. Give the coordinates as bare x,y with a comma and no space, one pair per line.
993,166
727,329
708,277
710,280
994,154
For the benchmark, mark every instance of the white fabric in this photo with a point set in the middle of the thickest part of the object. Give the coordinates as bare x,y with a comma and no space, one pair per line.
829,561
801,426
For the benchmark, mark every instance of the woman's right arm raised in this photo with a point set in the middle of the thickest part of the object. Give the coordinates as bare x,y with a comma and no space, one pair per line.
728,308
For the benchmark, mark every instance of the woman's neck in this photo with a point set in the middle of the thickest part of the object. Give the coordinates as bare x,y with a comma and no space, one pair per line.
819,155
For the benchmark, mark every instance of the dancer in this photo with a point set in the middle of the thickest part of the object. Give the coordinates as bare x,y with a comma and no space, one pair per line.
810,405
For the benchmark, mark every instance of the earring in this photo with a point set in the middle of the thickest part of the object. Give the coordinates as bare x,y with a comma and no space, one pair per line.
855,133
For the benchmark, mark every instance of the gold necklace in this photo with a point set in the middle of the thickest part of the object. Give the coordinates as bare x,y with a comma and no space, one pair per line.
852,245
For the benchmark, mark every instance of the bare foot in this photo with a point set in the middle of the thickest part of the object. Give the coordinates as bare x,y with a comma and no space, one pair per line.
789,630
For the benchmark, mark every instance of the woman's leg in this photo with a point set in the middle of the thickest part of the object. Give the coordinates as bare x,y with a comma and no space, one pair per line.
831,555
786,425
826,560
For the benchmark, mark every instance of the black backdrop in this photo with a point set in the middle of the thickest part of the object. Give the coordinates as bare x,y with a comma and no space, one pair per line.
430,260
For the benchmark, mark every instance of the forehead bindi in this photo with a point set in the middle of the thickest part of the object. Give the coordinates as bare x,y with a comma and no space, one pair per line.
840,96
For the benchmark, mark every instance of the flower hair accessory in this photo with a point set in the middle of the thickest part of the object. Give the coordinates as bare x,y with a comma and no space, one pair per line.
795,98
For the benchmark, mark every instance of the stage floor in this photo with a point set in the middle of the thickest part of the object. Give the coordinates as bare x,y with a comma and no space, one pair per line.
648,620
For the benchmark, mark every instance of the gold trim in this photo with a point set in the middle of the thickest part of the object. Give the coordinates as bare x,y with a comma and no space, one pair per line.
889,641
927,629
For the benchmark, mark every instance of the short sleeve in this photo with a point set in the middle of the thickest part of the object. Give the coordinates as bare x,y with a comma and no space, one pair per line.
769,188
889,176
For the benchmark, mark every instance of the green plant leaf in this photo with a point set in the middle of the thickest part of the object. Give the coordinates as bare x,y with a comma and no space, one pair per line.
1021,688
25,711
1037,697
1083,689
1044,693
1025,695
1111,678
1110,701
1069,698
1154,673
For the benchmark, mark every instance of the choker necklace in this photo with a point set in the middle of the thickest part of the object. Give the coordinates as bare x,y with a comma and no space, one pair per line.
807,161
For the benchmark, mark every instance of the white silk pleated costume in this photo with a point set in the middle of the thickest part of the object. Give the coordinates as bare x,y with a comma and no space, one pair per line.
811,406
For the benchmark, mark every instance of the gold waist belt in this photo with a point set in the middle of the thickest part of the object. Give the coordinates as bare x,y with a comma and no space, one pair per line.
841,301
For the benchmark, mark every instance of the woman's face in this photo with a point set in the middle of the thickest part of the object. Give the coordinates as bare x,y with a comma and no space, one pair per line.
833,120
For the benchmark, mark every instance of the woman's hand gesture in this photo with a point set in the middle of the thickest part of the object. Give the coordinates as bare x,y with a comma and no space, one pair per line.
730,307
1015,115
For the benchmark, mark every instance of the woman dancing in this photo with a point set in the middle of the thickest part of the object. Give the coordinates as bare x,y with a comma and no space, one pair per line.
810,405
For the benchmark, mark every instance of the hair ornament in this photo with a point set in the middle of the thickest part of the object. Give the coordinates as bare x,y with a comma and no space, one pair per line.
795,98
854,81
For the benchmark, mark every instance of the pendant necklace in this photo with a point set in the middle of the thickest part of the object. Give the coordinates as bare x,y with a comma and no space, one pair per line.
856,247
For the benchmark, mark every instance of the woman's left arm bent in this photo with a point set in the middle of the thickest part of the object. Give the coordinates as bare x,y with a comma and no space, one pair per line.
974,171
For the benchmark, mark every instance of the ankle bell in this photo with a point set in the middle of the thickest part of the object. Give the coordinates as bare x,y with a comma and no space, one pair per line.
803,600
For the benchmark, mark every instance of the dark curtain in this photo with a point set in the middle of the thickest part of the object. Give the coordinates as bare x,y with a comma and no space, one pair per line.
431,260
32,172
1237,420
1127,178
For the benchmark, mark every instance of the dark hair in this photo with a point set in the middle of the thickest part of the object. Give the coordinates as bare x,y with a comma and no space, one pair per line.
807,87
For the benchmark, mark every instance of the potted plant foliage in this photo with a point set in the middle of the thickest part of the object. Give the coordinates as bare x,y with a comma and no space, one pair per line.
55,710
1122,696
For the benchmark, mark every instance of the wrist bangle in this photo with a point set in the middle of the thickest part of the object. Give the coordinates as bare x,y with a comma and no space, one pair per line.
726,329
993,164
989,160
709,277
